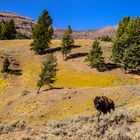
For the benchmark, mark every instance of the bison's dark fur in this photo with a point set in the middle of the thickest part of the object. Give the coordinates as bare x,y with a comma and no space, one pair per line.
103,104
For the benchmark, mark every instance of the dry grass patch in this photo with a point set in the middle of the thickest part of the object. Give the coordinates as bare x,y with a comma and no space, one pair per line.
26,108
3,85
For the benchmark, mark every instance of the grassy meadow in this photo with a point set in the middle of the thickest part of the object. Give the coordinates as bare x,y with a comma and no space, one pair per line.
76,84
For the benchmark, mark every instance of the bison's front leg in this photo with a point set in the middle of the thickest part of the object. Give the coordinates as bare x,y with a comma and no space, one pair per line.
99,116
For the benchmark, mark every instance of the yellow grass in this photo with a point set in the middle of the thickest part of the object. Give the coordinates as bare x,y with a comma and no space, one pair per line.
7,44
73,78
26,108
74,107
3,85
72,74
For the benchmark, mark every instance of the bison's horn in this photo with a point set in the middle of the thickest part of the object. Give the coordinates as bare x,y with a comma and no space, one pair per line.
101,100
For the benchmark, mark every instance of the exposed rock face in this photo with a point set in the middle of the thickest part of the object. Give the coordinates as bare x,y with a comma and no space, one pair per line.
88,34
25,26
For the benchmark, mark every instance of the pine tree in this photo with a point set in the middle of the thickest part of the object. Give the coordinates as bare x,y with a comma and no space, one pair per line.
12,29
95,58
67,42
131,59
120,43
48,72
127,35
6,64
8,30
42,33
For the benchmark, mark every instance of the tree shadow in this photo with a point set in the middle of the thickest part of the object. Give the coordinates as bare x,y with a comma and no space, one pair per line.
108,67
53,88
76,55
15,72
75,46
135,72
56,49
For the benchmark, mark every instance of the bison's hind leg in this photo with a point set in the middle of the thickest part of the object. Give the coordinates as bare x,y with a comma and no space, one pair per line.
109,110
113,108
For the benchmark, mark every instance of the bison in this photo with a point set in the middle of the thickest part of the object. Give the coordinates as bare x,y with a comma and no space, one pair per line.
103,104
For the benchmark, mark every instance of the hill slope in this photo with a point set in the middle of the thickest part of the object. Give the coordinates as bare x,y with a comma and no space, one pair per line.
77,84
25,25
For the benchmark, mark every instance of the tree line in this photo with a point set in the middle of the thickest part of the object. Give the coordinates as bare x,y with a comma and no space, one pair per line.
7,30
125,48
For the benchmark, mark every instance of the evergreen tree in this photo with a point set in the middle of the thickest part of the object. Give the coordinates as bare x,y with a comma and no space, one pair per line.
8,30
127,36
131,59
6,64
120,43
42,33
95,58
12,29
67,42
106,38
48,72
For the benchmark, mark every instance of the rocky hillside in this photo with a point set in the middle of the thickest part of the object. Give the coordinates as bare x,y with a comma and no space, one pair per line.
25,25
89,34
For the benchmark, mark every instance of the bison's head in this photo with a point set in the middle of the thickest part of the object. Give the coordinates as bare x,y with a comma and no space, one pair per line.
98,101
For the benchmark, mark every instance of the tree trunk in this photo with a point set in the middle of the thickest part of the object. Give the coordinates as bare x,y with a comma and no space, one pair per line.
38,90
63,56
66,57
125,71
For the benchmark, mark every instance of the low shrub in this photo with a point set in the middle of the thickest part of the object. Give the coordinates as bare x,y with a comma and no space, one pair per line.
13,126
114,126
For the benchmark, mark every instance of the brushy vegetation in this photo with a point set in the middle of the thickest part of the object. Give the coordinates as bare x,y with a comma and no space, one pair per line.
105,38
12,126
6,64
114,126
119,125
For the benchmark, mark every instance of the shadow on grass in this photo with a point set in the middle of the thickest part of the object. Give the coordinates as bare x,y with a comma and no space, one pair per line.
52,88
135,72
15,72
57,49
108,67
76,55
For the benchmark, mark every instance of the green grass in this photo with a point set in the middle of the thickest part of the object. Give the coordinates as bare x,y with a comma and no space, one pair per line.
67,77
